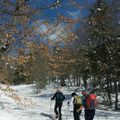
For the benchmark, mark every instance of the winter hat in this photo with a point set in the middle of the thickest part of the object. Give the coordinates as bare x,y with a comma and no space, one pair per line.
73,94
58,90
84,93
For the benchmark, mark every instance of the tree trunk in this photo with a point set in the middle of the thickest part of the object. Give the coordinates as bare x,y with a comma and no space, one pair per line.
85,82
69,81
111,87
79,81
108,92
116,94
77,78
62,81
74,80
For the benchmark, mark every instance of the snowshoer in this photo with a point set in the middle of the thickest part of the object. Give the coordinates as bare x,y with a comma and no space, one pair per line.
59,98
89,103
77,106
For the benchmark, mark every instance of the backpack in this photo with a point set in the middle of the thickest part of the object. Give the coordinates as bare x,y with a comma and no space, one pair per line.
60,96
91,101
77,100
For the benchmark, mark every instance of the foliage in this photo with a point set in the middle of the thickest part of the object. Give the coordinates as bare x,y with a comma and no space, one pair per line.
19,75
103,48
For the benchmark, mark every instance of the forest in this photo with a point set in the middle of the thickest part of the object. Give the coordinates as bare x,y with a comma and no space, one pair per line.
71,42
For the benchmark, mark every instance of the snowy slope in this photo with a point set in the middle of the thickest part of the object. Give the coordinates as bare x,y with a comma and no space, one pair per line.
42,108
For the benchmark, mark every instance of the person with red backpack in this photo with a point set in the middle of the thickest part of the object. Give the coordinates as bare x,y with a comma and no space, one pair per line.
89,103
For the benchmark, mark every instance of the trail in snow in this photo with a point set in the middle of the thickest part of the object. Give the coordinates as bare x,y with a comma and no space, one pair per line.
43,107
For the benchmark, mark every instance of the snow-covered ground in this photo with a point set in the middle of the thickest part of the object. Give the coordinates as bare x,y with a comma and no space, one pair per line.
42,106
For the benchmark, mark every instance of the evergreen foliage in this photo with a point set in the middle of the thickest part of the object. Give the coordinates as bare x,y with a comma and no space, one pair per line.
19,75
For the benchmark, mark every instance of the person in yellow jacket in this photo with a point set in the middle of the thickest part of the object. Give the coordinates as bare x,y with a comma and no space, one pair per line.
77,106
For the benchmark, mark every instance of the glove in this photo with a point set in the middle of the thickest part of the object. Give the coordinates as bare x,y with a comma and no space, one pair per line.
68,103
52,99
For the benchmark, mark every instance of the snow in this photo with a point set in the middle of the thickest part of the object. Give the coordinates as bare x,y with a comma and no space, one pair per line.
99,9
42,107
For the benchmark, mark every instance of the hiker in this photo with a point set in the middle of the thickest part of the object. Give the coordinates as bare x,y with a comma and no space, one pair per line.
89,103
59,98
77,106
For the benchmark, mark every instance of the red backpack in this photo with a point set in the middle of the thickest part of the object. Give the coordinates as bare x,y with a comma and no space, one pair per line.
91,101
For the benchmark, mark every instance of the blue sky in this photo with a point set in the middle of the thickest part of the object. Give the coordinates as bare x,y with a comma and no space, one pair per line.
64,9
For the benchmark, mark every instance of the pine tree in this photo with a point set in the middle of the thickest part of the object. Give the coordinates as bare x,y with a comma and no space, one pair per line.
99,32
104,44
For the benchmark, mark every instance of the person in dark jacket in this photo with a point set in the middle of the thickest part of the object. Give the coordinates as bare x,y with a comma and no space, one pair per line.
59,98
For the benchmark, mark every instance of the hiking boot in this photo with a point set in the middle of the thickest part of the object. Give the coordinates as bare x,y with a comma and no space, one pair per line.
60,118
56,116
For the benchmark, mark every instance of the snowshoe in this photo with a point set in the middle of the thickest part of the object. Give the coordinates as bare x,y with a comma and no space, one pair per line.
60,117
57,116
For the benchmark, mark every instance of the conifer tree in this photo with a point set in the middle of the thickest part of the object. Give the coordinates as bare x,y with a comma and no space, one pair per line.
104,45
99,33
